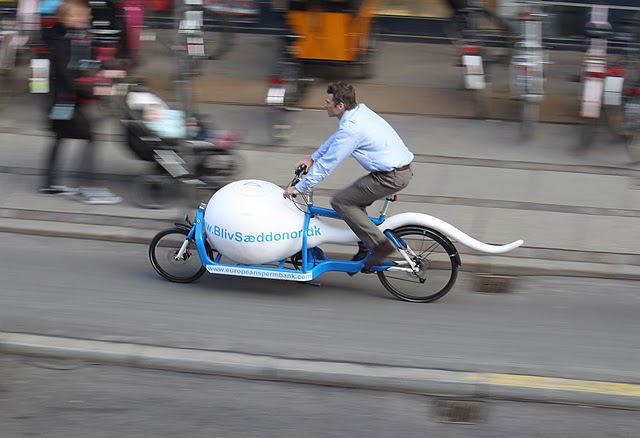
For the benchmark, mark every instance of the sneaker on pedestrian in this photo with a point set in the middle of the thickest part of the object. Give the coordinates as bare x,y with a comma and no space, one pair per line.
58,190
97,196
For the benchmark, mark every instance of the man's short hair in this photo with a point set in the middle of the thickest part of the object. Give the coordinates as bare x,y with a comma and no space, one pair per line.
343,93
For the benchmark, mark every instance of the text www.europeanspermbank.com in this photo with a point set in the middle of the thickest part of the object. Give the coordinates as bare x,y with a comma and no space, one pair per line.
256,273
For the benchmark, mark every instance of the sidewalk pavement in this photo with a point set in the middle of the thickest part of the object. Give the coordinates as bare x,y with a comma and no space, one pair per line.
578,215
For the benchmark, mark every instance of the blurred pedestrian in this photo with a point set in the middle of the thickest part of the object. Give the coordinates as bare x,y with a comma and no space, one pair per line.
378,148
70,66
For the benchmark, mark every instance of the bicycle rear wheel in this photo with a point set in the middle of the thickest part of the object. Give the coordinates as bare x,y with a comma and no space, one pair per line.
490,31
633,147
436,266
530,116
218,34
588,131
624,120
5,88
153,191
214,171
163,250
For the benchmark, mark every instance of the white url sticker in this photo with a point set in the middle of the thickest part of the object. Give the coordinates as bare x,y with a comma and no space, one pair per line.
260,273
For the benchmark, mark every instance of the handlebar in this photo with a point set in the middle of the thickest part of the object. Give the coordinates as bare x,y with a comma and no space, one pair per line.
300,170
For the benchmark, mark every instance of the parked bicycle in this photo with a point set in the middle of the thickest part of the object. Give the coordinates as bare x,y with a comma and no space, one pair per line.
283,99
483,39
527,69
594,74
8,51
622,85
211,19
473,24
319,34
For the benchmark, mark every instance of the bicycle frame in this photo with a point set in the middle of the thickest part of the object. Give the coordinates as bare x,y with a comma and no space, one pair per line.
252,225
313,260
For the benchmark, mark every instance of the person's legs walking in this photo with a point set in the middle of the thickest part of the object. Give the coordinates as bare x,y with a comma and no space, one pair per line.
90,192
49,186
52,157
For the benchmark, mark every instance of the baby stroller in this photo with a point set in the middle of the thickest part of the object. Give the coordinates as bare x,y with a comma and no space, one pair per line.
190,159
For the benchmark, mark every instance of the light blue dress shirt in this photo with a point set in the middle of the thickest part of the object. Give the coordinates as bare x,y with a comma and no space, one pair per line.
365,135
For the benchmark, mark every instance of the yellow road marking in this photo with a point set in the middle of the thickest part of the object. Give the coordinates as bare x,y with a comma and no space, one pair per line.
608,388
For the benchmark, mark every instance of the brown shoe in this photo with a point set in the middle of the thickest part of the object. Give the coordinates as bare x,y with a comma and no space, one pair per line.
379,254
362,253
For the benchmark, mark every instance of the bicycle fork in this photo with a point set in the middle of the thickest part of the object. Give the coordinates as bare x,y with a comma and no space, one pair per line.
408,255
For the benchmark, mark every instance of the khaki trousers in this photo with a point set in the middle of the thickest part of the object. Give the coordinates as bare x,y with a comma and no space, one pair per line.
352,202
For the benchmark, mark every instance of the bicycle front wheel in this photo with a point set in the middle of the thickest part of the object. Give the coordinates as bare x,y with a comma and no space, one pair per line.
280,121
435,267
530,116
163,251
6,87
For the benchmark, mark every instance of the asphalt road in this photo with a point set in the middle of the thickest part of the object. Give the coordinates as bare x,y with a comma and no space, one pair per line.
68,399
567,327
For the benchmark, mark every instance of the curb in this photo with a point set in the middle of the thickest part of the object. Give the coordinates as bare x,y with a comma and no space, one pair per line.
432,382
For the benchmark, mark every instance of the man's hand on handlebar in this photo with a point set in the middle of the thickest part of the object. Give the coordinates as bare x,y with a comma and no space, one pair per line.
290,191
307,163
302,167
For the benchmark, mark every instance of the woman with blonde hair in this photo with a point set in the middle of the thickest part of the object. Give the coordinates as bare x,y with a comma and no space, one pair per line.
70,48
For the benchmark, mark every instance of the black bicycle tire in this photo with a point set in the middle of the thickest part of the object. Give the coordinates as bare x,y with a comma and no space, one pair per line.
158,268
504,32
225,28
632,147
452,30
529,118
280,120
617,117
449,249
588,129
481,102
367,63
153,191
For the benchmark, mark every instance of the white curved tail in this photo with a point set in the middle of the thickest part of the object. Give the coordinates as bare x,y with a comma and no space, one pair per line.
448,230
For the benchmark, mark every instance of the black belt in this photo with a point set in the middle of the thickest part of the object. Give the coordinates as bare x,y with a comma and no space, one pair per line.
407,167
